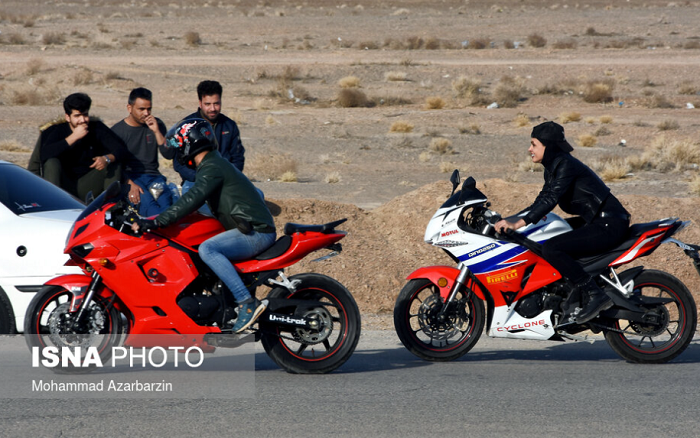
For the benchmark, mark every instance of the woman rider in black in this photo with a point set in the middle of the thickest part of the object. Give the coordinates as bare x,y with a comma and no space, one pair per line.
578,191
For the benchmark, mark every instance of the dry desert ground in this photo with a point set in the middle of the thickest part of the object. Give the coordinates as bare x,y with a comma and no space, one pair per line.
361,109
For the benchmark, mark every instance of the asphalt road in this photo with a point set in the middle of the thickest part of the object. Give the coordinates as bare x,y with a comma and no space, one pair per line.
502,388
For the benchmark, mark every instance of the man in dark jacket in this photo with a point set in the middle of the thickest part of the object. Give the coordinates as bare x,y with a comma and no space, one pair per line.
578,191
81,155
225,130
144,136
233,199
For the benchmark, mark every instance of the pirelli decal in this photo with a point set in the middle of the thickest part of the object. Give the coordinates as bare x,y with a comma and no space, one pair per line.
503,276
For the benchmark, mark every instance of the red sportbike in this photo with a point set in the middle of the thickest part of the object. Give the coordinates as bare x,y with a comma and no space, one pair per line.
440,314
155,283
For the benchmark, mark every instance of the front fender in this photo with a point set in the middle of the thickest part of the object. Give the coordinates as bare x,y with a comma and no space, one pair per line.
76,284
435,273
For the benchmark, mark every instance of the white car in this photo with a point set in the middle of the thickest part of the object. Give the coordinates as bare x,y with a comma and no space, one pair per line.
35,217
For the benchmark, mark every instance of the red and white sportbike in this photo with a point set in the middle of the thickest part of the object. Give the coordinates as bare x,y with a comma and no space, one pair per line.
440,314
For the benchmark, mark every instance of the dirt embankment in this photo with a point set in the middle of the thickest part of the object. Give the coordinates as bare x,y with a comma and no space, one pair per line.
384,245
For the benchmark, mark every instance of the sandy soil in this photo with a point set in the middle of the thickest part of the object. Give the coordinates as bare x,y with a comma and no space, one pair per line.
387,184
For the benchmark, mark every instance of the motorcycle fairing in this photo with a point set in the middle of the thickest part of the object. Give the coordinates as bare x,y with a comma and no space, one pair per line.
76,284
449,273
507,323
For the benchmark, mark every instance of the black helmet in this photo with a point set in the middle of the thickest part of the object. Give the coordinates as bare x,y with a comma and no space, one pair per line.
190,137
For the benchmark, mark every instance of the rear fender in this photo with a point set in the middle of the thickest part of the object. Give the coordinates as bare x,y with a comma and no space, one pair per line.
449,273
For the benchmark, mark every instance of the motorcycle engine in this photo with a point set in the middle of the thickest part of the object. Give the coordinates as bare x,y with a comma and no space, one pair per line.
531,306
199,307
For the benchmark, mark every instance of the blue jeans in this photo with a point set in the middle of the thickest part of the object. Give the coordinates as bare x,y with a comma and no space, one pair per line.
232,245
150,206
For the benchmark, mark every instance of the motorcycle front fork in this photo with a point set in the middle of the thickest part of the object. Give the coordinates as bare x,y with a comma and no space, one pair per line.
458,285
96,280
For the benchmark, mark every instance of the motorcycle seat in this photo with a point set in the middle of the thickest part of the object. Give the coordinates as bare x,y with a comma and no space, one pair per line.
277,249
635,231
291,228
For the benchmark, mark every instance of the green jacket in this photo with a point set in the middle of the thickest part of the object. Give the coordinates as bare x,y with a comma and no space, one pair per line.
231,197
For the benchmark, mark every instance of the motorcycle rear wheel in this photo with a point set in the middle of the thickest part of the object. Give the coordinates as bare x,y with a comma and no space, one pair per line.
420,331
48,323
657,343
300,351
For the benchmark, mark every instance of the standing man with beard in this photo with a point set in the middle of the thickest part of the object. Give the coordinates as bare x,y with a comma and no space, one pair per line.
81,155
226,131
144,136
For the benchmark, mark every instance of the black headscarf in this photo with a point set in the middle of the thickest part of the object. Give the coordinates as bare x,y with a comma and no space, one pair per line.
551,135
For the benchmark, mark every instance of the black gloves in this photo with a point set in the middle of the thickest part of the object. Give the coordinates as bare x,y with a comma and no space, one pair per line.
146,224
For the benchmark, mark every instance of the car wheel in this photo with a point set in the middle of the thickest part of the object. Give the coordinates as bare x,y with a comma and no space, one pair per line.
7,316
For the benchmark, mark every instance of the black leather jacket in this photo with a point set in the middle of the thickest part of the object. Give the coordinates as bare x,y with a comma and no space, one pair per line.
575,188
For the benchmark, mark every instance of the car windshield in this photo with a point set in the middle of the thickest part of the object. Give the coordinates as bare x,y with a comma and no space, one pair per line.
23,192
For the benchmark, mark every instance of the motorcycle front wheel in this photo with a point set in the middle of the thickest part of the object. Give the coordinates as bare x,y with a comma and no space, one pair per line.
321,350
429,335
664,339
49,323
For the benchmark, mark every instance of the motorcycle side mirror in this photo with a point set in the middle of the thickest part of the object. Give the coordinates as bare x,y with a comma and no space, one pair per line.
454,179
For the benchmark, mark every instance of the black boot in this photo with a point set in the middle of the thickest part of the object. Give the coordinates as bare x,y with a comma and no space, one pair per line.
596,301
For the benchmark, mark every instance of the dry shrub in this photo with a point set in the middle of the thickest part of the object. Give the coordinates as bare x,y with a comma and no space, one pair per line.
668,125
53,38
657,101
83,77
479,43
568,43
12,146
472,128
333,177
271,167
367,45
692,44
349,82
446,167
34,66
288,177
395,76
28,97
521,120
587,140
687,87
441,146
589,120
694,185
401,126
434,103
509,91
192,38
528,166
414,43
536,40
403,142
127,44
667,155
270,121
571,116
602,132
15,38
468,88
425,156
508,44
352,98
606,120
613,168
286,91
598,91
432,44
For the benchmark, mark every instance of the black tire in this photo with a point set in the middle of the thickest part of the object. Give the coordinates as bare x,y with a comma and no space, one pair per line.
315,352
661,342
48,323
429,339
7,316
